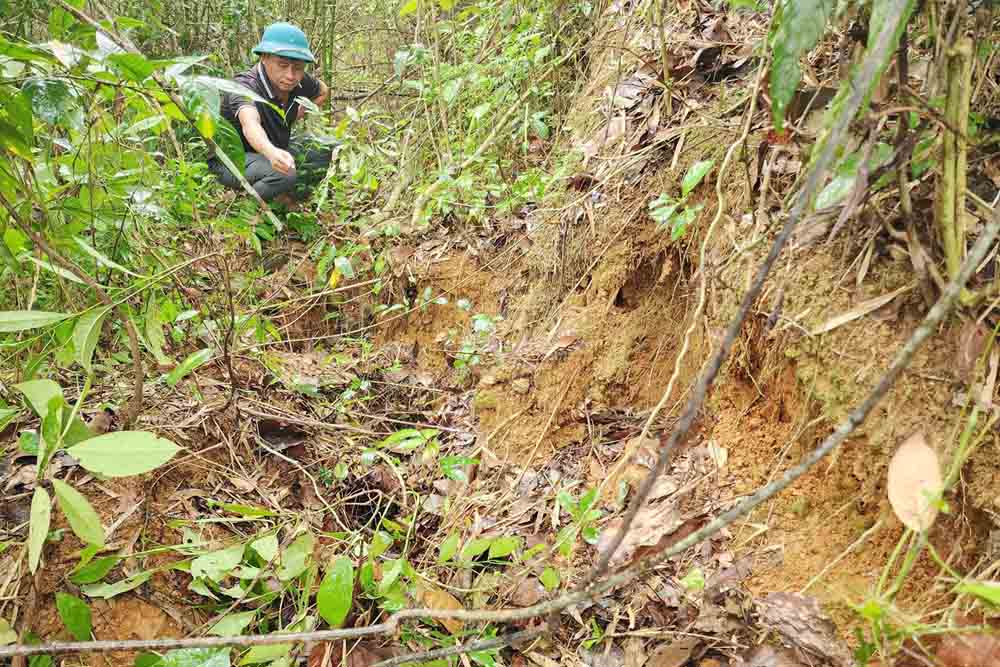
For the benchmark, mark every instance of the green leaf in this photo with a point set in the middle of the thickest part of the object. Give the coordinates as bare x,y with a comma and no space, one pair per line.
266,547
447,5
85,335
24,52
268,653
124,453
186,367
550,579
61,21
800,25
453,467
694,581
16,131
155,337
133,65
79,512
22,320
52,426
448,548
7,634
476,547
390,573
217,564
196,657
101,259
988,591
38,529
55,102
75,615
7,415
408,8
696,174
336,592
94,571
108,591
232,625
504,546
381,541
228,139
296,557
40,394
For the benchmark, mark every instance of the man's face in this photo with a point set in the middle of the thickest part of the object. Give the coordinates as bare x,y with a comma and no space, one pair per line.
285,73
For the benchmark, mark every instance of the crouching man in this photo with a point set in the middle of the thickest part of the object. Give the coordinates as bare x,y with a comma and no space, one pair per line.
276,167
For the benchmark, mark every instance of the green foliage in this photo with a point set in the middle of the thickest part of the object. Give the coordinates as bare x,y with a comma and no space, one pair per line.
75,615
79,512
798,26
675,214
124,453
333,601
38,529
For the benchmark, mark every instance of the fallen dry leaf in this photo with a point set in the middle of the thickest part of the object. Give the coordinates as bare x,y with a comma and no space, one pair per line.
972,340
768,656
651,525
330,654
674,654
635,655
961,650
914,481
859,310
437,599
803,623
527,592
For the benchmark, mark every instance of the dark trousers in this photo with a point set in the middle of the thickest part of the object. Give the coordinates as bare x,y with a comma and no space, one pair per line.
312,159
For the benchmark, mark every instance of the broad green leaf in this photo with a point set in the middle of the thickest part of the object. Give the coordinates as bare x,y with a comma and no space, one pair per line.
232,88
133,65
94,571
988,591
78,431
476,547
38,529
22,320
296,557
196,657
55,101
79,512
266,547
108,591
61,21
52,425
7,634
267,653
504,546
695,175
447,5
217,564
24,52
232,625
101,259
336,592
454,467
124,453
549,579
40,394
186,367
16,131
448,548
205,122
75,615
85,335
800,25
408,8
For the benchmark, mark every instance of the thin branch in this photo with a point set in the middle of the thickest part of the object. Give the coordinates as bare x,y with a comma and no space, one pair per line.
468,647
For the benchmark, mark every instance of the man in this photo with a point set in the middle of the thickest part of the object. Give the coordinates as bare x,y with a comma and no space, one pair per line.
275,164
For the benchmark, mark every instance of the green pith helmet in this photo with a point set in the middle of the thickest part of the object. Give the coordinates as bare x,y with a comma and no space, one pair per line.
286,40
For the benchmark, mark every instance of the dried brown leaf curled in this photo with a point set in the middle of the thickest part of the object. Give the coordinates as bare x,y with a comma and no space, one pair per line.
437,599
914,482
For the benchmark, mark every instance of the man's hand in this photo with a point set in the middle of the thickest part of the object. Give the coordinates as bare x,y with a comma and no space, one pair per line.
282,161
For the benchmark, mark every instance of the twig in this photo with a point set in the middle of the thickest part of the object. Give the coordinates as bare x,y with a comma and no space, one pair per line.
468,647
872,66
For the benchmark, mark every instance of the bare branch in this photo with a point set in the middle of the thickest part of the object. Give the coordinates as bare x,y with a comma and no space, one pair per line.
468,647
